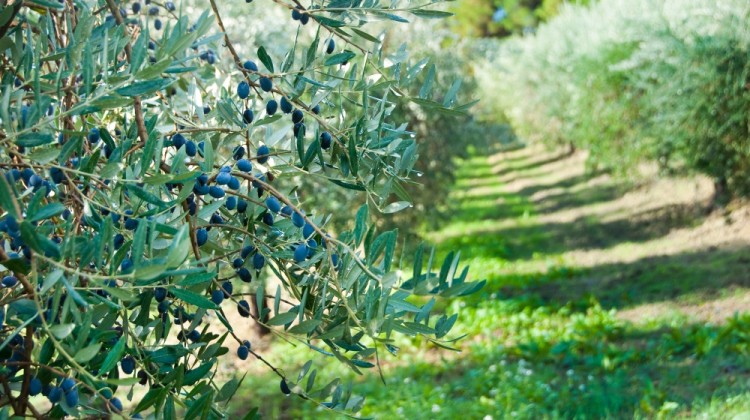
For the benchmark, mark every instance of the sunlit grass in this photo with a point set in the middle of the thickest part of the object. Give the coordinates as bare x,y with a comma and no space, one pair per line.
545,338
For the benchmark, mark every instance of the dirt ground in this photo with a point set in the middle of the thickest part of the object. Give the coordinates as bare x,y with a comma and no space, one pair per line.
653,230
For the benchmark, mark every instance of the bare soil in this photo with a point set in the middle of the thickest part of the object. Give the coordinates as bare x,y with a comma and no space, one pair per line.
661,235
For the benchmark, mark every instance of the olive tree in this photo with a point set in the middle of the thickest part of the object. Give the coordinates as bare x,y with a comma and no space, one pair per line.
151,185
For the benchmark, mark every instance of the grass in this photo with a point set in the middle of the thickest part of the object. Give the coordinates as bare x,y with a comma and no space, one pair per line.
551,335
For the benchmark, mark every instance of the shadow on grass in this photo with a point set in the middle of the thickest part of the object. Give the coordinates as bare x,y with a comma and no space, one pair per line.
523,241
582,198
600,374
530,164
494,206
593,368
565,183
690,276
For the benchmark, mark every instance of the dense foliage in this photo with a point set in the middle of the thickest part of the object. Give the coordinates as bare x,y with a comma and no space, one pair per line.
442,134
152,184
634,80
442,63
502,18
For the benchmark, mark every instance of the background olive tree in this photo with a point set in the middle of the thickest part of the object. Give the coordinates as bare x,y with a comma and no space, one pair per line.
633,81
153,168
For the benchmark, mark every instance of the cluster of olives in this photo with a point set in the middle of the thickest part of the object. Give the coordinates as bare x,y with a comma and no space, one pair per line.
225,184
272,106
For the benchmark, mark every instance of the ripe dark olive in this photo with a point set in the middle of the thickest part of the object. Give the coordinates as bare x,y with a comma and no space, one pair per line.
259,261
238,262
300,253
241,206
9,281
331,46
71,398
200,189
243,352
316,109
119,240
115,404
157,24
55,395
231,203
93,136
35,386
325,140
286,105
227,288
250,65
68,384
257,184
136,7
201,236
223,178
217,296
131,224
271,107
273,204
247,250
299,128
216,191
243,90
298,220
287,211
234,183
35,181
238,152
297,116
126,266
284,387
160,294
128,365
178,140
247,116
245,275
26,175
263,152
244,165
266,84
190,148
206,110
170,6
153,11
307,230
243,308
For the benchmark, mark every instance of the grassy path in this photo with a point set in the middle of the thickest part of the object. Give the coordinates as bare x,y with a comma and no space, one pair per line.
603,300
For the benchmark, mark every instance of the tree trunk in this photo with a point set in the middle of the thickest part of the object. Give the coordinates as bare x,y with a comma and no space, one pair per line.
721,192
